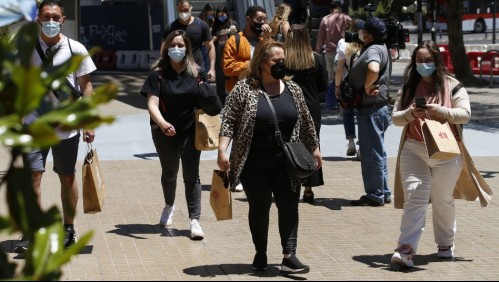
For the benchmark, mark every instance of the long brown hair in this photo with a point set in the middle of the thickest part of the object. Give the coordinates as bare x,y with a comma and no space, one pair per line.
412,76
260,55
299,53
164,60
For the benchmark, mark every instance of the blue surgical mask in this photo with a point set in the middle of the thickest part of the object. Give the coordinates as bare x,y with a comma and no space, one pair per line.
210,17
51,28
222,18
176,54
425,69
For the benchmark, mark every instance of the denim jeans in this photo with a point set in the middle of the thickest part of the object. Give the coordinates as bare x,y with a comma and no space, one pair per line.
331,101
373,122
170,151
349,123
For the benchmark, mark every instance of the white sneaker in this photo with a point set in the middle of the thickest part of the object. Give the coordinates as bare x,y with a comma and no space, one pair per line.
445,252
351,150
402,259
196,231
167,216
238,188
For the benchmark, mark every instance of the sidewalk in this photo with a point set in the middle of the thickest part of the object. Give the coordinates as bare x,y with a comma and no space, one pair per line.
338,241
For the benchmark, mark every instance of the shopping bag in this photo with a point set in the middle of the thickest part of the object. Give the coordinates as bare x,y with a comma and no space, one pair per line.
94,189
440,140
220,195
207,131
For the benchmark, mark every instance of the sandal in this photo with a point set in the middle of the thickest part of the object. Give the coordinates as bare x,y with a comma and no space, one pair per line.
308,197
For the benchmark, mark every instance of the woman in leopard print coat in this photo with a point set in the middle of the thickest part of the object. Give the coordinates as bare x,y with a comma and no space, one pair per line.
256,159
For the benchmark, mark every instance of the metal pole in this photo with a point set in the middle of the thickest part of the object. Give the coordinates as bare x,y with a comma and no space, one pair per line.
433,10
420,21
494,23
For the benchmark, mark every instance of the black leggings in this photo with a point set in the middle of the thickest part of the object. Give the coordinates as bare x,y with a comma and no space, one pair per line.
260,181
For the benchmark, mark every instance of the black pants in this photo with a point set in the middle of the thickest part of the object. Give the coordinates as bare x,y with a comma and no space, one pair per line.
260,180
170,151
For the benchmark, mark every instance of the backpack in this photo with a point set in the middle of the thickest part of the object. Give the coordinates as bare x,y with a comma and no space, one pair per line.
349,98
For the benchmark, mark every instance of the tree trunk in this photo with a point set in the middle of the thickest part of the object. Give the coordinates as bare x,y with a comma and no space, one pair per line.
457,51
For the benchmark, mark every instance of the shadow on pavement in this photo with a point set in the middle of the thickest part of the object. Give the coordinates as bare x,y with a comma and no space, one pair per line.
489,174
133,230
332,203
340,159
383,262
146,156
237,269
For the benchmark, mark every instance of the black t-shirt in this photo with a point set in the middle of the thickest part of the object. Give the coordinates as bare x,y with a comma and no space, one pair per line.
177,98
198,32
264,143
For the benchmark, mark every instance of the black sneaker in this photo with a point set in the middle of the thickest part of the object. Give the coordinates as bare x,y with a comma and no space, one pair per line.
22,246
388,200
70,237
308,197
293,266
260,261
365,201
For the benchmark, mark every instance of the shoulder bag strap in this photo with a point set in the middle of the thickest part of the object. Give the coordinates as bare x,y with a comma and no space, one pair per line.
276,124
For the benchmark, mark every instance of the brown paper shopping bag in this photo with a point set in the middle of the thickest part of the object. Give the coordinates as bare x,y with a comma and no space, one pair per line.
440,140
94,189
220,195
207,131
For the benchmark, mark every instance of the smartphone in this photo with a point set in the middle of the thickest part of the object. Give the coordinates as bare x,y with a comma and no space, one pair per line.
420,102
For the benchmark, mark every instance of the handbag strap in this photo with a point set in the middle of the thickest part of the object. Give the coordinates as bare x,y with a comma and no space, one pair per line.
276,124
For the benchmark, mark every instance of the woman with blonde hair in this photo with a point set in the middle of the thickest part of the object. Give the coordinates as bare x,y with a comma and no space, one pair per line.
171,89
256,157
346,54
280,23
309,72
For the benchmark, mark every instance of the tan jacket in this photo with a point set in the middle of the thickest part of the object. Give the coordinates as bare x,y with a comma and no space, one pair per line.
471,185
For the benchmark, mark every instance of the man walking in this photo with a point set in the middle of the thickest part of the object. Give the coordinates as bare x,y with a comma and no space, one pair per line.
58,48
198,32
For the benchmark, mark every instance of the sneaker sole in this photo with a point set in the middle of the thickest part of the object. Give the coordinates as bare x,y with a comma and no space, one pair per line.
399,261
287,270
197,238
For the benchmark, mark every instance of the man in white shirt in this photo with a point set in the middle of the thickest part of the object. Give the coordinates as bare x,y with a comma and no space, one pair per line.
55,49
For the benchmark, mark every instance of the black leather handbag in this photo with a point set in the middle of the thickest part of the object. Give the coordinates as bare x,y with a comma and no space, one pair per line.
300,163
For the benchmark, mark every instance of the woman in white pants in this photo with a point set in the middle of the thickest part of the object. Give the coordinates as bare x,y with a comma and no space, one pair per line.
425,180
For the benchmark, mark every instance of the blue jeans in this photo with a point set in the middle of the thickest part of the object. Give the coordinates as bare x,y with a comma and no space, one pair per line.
373,123
331,101
349,123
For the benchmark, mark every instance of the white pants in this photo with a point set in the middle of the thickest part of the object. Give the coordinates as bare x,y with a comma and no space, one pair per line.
426,181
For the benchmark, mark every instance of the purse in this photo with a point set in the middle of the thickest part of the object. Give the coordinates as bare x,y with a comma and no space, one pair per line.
440,140
207,131
94,190
220,195
299,162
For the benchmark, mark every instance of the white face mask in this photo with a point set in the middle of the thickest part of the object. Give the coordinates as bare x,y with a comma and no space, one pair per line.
51,28
185,16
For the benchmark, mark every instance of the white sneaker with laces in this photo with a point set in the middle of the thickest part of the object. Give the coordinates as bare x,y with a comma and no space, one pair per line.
402,259
196,231
167,216
445,252
238,188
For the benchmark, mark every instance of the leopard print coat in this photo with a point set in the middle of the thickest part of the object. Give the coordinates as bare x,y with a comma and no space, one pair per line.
238,122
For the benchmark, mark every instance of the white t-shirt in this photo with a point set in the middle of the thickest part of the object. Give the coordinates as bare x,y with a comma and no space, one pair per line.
64,54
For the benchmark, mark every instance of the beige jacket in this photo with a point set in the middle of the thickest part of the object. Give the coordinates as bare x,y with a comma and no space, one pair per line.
471,185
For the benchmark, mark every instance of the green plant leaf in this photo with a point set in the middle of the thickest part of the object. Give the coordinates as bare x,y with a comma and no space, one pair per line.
25,40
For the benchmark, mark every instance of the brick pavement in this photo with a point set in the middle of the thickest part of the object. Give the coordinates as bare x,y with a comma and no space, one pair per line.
339,242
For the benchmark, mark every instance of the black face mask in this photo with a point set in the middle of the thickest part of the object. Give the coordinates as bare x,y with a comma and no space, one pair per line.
278,70
257,28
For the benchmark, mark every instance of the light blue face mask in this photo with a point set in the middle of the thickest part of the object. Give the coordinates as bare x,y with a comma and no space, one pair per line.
425,69
176,54
51,28
222,18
